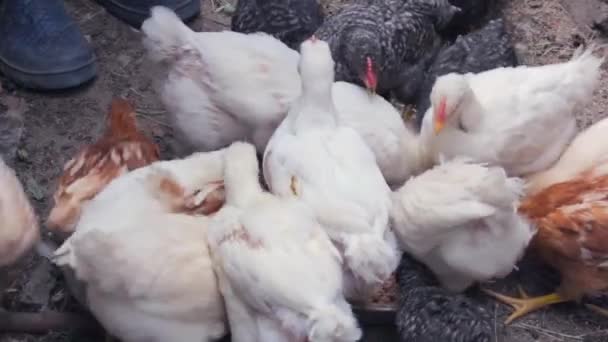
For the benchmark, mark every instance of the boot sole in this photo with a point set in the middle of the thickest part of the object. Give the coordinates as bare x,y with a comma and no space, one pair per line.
185,10
50,80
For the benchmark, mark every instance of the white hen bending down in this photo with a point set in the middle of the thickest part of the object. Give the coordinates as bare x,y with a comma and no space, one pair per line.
18,222
397,149
148,271
520,118
221,86
460,219
279,273
330,168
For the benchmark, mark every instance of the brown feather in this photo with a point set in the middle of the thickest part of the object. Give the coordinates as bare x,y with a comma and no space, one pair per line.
121,149
572,222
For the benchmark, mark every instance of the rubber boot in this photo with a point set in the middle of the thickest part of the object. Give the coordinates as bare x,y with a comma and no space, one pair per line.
134,12
41,46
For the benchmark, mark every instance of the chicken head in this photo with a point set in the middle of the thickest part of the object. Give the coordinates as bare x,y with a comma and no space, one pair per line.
363,57
449,95
316,64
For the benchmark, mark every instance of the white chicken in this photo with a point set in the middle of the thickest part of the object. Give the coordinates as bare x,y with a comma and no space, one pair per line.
19,225
520,118
588,149
329,167
221,86
209,74
148,272
460,219
279,273
396,147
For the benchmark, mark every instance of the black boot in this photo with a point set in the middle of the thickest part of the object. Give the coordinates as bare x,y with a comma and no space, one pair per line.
134,12
41,47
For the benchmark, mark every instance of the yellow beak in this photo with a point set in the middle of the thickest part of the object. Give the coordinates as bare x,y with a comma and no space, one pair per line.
438,126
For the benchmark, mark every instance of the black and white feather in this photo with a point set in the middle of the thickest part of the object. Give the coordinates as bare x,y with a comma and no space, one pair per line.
399,36
291,21
472,14
487,48
428,313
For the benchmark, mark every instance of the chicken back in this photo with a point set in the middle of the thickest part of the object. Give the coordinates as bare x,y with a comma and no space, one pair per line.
121,149
572,221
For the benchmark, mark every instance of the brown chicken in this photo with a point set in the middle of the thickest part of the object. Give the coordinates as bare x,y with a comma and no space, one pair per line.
121,149
572,221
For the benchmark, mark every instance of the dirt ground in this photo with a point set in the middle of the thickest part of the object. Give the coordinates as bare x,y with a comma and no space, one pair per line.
544,31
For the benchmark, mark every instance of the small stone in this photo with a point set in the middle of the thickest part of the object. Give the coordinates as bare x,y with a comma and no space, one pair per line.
124,60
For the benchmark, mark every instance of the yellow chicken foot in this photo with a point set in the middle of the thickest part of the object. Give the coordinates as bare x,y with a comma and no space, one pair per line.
525,305
597,309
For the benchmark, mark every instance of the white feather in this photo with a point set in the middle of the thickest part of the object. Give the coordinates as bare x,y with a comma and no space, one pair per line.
520,118
148,272
335,171
263,245
221,86
397,149
459,218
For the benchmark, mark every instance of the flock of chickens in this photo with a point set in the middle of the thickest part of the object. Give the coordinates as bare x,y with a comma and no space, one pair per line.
180,250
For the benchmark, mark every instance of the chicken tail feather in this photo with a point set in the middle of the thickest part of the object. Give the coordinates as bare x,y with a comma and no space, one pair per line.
333,323
585,71
165,34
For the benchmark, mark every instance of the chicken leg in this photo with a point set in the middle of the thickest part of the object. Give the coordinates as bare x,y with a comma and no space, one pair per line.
525,304
597,309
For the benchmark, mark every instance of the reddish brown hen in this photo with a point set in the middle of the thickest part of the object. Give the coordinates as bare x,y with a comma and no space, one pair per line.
572,221
121,149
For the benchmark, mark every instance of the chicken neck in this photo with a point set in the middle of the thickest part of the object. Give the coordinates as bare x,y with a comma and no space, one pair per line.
314,108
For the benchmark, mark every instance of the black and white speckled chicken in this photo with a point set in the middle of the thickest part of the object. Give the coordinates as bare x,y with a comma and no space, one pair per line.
386,46
429,313
291,21
472,14
487,48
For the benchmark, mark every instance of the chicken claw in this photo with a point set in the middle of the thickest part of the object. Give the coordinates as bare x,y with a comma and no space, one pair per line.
525,304
206,201
294,185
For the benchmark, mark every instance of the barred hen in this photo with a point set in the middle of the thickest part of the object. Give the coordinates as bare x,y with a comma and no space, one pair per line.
485,49
428,313
385,46
121,149
290,21
471,14
572,221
